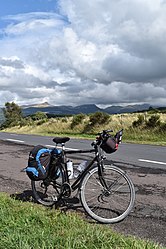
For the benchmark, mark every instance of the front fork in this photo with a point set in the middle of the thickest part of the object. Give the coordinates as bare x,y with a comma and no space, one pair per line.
106,188
101,171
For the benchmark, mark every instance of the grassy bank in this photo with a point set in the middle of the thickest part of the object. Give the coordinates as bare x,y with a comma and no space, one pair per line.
63,126
27,225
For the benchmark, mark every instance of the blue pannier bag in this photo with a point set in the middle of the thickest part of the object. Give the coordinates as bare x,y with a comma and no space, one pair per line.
38,163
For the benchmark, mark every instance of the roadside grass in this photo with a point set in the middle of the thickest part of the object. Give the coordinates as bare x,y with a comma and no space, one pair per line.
31,226
147,136
62,127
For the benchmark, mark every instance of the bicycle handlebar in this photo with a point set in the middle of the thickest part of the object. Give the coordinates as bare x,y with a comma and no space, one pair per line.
102,135
104,132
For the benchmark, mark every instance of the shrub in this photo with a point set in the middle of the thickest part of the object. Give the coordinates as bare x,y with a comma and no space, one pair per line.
77,119
99,118
138,122
28,121
41,121
64,120
162,127
39,116
153,121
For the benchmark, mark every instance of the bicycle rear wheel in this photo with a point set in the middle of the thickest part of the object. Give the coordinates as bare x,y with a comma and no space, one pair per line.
46,191
109,204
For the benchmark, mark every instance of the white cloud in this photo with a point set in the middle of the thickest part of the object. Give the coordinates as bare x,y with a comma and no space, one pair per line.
101,52
33,22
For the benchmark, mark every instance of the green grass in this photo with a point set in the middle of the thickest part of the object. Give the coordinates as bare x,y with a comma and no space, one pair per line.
144,136
26,225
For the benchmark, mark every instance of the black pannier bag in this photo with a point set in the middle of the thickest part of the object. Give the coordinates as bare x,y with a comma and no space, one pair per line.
38,163
110,143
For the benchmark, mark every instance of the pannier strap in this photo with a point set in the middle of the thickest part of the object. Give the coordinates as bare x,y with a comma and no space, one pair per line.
40,152
33,171
60,140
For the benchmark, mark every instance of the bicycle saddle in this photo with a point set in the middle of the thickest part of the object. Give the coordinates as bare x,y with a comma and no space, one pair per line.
60,140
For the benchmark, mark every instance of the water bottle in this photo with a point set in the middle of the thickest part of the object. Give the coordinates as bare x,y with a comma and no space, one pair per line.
80,168
70,169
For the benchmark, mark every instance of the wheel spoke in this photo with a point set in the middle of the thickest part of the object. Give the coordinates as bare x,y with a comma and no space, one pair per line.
46,192
113,201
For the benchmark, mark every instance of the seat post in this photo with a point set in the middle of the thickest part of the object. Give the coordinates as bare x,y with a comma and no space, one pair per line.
63,146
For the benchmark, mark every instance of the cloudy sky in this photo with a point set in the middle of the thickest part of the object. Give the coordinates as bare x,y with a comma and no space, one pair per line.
73,52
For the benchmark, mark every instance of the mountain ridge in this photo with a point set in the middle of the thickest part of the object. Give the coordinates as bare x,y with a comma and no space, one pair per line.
86,109
53,111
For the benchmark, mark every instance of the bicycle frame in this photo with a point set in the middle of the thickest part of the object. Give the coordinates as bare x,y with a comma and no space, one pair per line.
76,184
98,158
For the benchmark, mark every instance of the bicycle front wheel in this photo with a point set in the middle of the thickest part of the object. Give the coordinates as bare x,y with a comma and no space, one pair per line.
109,200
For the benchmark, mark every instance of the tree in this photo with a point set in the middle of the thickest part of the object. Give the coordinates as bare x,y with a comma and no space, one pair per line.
13,114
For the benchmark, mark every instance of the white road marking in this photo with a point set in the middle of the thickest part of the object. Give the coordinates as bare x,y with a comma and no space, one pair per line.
59,147
70,149
48,145
149,161
15,140
13,134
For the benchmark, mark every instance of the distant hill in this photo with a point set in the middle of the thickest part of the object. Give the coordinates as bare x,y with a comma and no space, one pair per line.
126,109
162,109
62,110
86,109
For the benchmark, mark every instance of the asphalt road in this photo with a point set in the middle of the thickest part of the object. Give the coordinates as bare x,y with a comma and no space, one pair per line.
148,217
136,154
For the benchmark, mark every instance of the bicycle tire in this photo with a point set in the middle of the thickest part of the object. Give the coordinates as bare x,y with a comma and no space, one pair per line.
46,191
111,205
